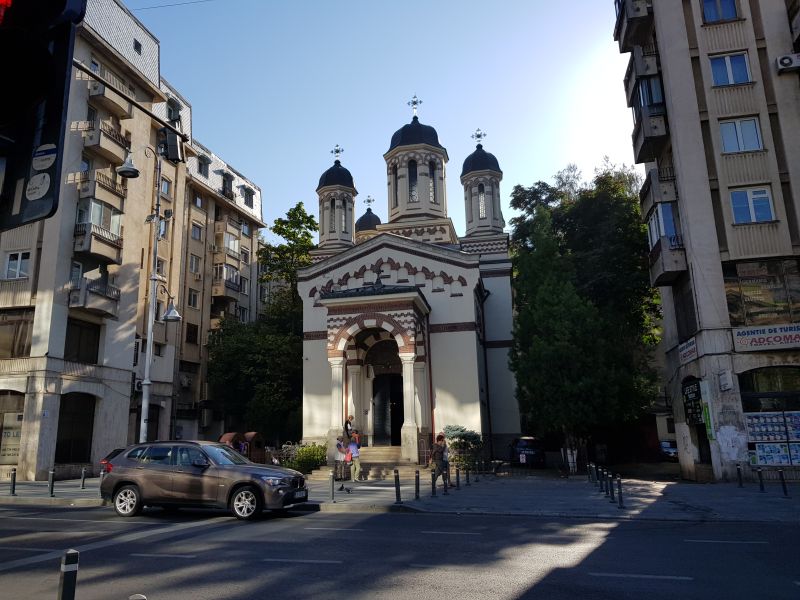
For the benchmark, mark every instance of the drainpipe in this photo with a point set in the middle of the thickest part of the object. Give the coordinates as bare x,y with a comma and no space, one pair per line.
484,295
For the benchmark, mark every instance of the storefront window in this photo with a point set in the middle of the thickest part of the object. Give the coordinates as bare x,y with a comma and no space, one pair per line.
763,293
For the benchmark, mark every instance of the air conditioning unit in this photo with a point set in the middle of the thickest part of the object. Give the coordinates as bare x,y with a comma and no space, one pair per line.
138,385
788,63
198,276
186,382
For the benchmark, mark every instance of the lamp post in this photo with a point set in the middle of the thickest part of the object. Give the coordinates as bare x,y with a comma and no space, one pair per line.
129,171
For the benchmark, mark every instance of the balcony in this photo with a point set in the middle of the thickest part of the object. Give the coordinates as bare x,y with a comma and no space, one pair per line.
102,187
228,193
634,22
667,261
650,133
107,141
94,295
109,99
644,62
225,288
659,186
98,242
228,226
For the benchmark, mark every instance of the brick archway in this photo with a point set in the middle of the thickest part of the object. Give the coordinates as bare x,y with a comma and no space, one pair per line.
338,346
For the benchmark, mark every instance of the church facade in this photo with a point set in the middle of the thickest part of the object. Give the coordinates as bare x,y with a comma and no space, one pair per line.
407,326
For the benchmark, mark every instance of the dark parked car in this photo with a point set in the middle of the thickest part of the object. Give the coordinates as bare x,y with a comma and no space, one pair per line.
669,450
108,457
528,452
176,474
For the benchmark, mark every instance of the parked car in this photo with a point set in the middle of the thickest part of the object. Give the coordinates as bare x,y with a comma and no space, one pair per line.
108,457
669,450
178,474
528,452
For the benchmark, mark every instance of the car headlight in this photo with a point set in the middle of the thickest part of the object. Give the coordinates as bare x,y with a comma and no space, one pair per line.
272,481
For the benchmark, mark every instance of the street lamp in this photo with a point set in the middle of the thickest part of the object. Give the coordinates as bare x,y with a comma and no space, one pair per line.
129,171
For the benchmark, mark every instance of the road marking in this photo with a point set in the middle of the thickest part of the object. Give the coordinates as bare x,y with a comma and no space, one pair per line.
637,576
330,529
449,533
302,561
724,542
26,549
165,555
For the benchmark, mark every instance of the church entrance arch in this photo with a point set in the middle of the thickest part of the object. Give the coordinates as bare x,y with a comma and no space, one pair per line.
383,360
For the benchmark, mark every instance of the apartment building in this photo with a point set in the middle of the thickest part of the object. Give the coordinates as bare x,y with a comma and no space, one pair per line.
715,94
74,292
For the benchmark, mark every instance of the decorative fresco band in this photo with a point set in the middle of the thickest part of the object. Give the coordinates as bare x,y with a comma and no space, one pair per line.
309,336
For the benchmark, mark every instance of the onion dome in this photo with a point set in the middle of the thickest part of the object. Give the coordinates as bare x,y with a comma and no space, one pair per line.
368,221
336,175
415,133
480,160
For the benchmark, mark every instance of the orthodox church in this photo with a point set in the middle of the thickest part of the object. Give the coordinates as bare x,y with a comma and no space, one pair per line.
407,326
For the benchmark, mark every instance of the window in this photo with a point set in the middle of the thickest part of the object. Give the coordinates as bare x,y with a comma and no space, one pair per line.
231,242
752,205
343,214
246,228
17,265
193,300
197,232
194,263
244,284
94,66
16,327
101,214
248,197
202,165
91,114
173,110
412,181
227,185
75,428
160,266
651,91
86,164
762,293
719,10
162,229
730,69
396,193
231,274
166,187
432,180
159,455
137,46
187,455
246,256
740,135
219,271
663,222
191,333
243,314
82,343
332,227
198,201
481,201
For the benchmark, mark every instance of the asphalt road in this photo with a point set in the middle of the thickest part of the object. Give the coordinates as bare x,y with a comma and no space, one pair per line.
202,555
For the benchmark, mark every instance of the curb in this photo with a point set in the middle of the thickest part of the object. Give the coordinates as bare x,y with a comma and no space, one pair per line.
334,507
73,502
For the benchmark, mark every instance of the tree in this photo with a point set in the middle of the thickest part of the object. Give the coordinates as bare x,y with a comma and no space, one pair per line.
585,310
255,369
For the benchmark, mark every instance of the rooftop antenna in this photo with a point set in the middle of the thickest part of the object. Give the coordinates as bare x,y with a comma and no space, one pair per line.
414,104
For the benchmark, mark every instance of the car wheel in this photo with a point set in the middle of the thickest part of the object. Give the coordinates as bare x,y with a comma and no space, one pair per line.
246,503
128,501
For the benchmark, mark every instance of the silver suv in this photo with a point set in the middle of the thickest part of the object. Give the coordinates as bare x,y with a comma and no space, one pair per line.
176,474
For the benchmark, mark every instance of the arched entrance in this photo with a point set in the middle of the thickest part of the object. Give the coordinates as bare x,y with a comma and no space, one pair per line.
387,392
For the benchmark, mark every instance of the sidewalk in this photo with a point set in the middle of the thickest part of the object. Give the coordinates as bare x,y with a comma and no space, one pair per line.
540,495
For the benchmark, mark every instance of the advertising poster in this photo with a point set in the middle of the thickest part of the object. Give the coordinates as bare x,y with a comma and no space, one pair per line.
793,425
773,455
766,427
10,438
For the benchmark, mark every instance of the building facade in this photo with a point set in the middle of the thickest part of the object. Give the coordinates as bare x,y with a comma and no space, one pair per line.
74,292
407,327
715,94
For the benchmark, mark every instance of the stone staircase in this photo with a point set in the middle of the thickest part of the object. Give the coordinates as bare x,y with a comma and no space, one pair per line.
378,463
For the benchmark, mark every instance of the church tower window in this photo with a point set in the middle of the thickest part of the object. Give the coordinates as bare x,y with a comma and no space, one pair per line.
481,201
432,179
412,181
332,228
395,200
343,213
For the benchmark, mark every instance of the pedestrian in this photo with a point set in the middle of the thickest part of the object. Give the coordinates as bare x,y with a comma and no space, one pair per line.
357,437
341,453
446,463
354,448
348,427
437,456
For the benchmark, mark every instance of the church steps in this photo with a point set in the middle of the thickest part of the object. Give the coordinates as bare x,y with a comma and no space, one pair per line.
377,463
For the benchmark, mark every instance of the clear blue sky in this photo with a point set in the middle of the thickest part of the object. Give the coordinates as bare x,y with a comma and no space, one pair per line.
276,84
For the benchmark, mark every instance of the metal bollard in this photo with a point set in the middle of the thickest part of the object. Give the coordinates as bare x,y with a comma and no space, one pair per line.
458,478
100,486
608,483
51,482
433,483
611,490
619,491
69,575
783,483
444,483
397,499
83,478
416,484
467,472
739,474
332,485
477,474
589,472
13,482
760,480
603,479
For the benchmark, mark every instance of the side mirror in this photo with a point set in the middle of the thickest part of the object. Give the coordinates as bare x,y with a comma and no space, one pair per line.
200,462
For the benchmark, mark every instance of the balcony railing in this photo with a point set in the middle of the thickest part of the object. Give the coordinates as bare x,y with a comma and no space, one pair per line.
100,232
96,286
233,285
108,183
675,241
666,174
227,193
233,253
112,133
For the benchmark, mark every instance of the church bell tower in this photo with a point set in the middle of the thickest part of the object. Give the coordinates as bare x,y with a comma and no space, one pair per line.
336,193
481,177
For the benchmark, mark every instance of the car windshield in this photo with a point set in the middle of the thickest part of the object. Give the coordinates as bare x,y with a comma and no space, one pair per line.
223,455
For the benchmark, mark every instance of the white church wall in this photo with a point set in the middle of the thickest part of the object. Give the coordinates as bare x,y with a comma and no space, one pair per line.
455,380
502,389
316,391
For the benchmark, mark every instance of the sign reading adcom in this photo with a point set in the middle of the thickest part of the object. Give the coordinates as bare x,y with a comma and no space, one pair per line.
772,337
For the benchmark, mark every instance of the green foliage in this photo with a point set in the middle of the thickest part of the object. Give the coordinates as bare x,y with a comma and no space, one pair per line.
585,310
466,446
307,458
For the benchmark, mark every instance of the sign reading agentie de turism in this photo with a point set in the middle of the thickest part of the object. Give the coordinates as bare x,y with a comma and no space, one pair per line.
767,337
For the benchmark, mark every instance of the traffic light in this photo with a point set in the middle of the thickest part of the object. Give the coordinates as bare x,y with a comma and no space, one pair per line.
37,39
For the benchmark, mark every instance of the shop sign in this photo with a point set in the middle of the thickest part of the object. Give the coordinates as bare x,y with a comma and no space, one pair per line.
10,438
693,403
774,337
687,351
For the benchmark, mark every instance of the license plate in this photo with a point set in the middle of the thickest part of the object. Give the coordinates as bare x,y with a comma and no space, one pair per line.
301,495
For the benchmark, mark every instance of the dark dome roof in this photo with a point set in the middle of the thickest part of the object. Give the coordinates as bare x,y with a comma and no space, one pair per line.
480,160
415,133
336,175
368,221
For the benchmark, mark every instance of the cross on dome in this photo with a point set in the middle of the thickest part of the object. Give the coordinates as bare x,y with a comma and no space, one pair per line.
369,201
414,104
337,152
478,136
